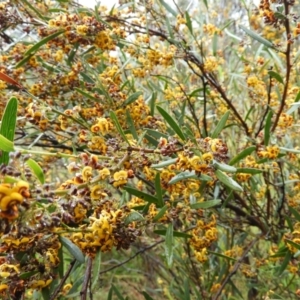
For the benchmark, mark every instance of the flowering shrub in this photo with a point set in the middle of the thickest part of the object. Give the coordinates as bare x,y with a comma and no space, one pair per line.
161,131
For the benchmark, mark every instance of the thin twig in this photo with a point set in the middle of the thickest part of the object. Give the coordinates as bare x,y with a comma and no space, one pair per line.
235,268
87,278
63,280
133,256
288,65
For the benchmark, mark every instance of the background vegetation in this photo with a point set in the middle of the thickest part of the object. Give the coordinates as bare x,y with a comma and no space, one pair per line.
150,151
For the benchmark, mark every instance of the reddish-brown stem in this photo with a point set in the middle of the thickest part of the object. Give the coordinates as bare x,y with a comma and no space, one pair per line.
288,66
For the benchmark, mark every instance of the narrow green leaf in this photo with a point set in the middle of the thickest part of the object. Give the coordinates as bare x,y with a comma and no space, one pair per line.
28,274
5,144
23,61
224,167
8,126
285,263
85,94
173,124
189,175
156,134
161,213
178,234
96,269
36,169
118,293
131,125
43,42
45,293
132,98
249,171
133,216
152,103
159,192
228,181
110,294
257,37
276,76
164,164
147,296
289,150
281,252
169,245
242,155
73,249
220,125
72,54
221,255
297,246
187,293
40,15
118,126
168,8
61,266
206,204
189,22
75,289
295,213
141,195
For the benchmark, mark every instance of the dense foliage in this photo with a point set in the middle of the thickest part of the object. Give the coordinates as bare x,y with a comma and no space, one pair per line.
150,151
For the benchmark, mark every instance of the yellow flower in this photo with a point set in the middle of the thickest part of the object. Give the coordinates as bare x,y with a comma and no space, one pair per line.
87,173
104,173
120,178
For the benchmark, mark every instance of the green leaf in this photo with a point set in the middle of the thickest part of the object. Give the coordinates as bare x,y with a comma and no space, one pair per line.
118,126
242,155
131,125
285,263
220,125
36,169
268,128
74,291
276,76
189,175
289,150
73,249
141,195
187,293
175,233
147,297
161,213
168,8
159,192
40,15
228,181
295,213
224,167
8,126
164,164
133,216
297,246
152,103
257,37
189,22
85,94
206,204
169,245
5,144
72,54
249,171
173,124
61,266
221,255
44,41
132,98
45,293
23,61
96,269
117,292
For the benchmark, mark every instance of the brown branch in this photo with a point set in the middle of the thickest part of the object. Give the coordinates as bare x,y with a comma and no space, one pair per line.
235,268
87,278
63,280
288,65
132,257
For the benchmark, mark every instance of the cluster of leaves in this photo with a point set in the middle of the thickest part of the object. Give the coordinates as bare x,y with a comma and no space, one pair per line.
151,130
